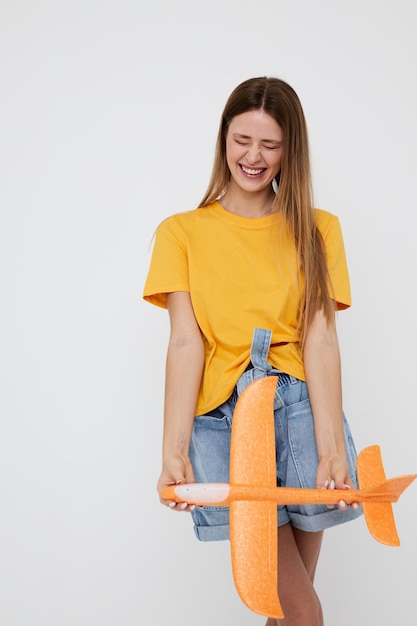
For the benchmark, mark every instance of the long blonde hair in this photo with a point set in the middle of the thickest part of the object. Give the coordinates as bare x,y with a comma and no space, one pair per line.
294,197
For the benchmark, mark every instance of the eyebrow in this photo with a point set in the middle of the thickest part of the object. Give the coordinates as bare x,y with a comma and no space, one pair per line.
240,136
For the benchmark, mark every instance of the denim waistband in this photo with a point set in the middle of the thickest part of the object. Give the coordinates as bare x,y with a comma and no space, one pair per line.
259,366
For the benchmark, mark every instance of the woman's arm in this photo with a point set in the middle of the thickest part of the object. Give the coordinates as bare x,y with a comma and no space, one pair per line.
323,376
184,368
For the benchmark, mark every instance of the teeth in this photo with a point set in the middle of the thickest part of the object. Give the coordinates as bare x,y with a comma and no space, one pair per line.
252,172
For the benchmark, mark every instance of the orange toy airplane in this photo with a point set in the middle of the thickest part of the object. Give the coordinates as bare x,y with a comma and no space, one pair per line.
252,496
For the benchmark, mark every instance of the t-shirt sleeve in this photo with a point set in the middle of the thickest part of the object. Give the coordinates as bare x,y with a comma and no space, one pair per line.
168,270
336,261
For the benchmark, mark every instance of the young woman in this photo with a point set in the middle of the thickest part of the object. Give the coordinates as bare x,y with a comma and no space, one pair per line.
252,279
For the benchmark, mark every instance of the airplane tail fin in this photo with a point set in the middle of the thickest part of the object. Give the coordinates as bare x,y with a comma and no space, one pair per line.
379,516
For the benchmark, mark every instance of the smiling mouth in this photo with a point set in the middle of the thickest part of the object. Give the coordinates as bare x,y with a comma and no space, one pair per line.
251,171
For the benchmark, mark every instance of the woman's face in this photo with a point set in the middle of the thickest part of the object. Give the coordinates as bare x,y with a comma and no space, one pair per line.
254,150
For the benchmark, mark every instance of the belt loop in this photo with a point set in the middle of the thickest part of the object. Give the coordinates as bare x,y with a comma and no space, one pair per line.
261,341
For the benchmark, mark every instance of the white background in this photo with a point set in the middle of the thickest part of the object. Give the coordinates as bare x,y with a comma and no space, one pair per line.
109,112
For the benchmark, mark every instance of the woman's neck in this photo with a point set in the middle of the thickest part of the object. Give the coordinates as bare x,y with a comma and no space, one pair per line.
247,204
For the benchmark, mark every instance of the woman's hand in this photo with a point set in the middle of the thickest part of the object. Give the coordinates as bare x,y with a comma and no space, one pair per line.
333,473
176,470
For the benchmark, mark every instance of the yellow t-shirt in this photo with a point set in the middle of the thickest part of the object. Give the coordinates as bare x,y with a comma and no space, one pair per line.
241,274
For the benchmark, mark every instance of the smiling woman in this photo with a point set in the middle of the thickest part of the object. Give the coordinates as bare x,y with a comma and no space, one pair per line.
251,280
254,154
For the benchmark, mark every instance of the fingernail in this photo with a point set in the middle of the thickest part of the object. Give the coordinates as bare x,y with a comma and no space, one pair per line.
355,505
192,507
346,486
342,504
183,506
332,484
172,504
326,484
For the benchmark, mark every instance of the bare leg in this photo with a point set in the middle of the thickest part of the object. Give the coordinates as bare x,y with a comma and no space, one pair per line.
309,546
298,553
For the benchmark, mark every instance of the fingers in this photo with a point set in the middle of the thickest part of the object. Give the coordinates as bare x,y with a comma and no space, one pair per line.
178,506
181,506
176,470
342,504
333,473
329,484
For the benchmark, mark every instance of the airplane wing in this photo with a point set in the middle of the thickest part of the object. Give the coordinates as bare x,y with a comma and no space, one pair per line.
253,525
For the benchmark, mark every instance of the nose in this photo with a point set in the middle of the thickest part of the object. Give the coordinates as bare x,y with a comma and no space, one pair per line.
253,154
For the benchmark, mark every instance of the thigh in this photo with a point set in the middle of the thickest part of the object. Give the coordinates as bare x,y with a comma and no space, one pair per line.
298,553
309,546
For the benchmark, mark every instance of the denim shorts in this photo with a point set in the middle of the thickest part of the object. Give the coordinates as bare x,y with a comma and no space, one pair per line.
296,451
